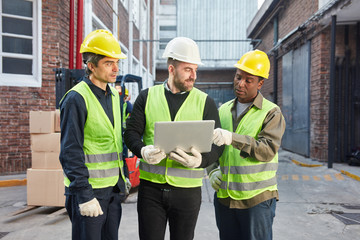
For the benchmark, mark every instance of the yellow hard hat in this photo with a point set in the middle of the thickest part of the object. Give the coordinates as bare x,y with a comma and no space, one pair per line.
102,42
255,62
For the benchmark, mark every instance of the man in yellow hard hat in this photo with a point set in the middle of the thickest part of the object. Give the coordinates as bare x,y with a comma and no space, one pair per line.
170,186
252,128
91,143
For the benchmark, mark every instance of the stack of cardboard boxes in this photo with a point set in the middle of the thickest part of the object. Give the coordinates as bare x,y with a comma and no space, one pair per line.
45,180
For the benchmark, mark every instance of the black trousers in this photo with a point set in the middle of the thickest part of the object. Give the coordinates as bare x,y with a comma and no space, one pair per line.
156,206
102,227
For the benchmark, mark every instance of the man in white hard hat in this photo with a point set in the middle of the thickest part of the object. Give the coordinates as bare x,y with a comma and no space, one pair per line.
170,186
91,143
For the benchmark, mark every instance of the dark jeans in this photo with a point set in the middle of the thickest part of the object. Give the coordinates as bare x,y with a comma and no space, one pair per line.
104,227
156,206
249,224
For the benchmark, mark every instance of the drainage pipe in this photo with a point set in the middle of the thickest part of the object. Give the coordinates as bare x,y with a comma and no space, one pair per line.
79,31
331,126
71,35
131,37
346,150
275,67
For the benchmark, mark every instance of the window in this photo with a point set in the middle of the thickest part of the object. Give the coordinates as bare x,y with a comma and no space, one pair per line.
136,13
167,28
167,2
144,21
20,45
166,34
125,3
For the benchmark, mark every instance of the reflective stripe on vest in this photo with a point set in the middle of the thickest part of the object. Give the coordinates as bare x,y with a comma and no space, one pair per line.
102,141
97,158
157,110
124,115
175,172
236,186
244,178
107,158
250,169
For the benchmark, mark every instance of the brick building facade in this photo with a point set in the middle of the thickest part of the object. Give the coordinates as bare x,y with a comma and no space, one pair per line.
49,38
304,27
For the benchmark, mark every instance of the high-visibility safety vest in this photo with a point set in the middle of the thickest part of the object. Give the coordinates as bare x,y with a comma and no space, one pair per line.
157,110
102,141
124,115
244,178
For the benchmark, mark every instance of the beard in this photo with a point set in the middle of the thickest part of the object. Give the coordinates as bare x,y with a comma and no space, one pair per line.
184,85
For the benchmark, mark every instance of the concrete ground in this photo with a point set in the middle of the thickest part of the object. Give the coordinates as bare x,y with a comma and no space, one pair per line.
315,203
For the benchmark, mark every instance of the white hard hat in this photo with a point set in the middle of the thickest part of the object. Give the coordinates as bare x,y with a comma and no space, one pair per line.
183,49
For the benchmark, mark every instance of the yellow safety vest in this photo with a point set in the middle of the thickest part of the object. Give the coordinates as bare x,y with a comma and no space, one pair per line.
244,178
102,141
157,110
124,115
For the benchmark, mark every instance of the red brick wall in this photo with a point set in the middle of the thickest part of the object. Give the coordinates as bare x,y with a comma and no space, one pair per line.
294,13
144,44
16,102
267,43
319,95
320,78
123,25
136,45
150,4
103,10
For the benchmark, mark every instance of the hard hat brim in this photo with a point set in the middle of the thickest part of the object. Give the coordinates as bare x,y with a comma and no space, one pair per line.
251,71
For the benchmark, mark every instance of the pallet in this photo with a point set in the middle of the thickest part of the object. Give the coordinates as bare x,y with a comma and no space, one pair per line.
24,210
29,208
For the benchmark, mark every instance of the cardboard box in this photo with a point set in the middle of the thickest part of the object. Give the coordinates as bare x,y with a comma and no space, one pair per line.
45,187
42,121
45,160
47,142
57,121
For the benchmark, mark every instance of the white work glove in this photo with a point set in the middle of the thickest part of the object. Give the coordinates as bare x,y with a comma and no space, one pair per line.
190,161
215,178
91,208
127,186
152,155
222,136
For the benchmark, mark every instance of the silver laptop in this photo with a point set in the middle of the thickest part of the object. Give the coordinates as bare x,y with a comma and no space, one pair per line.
184,134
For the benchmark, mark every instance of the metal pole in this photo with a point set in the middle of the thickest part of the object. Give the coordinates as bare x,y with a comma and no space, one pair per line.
275,67
331,129
354,84
346,150
79,33
131,37
71,35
